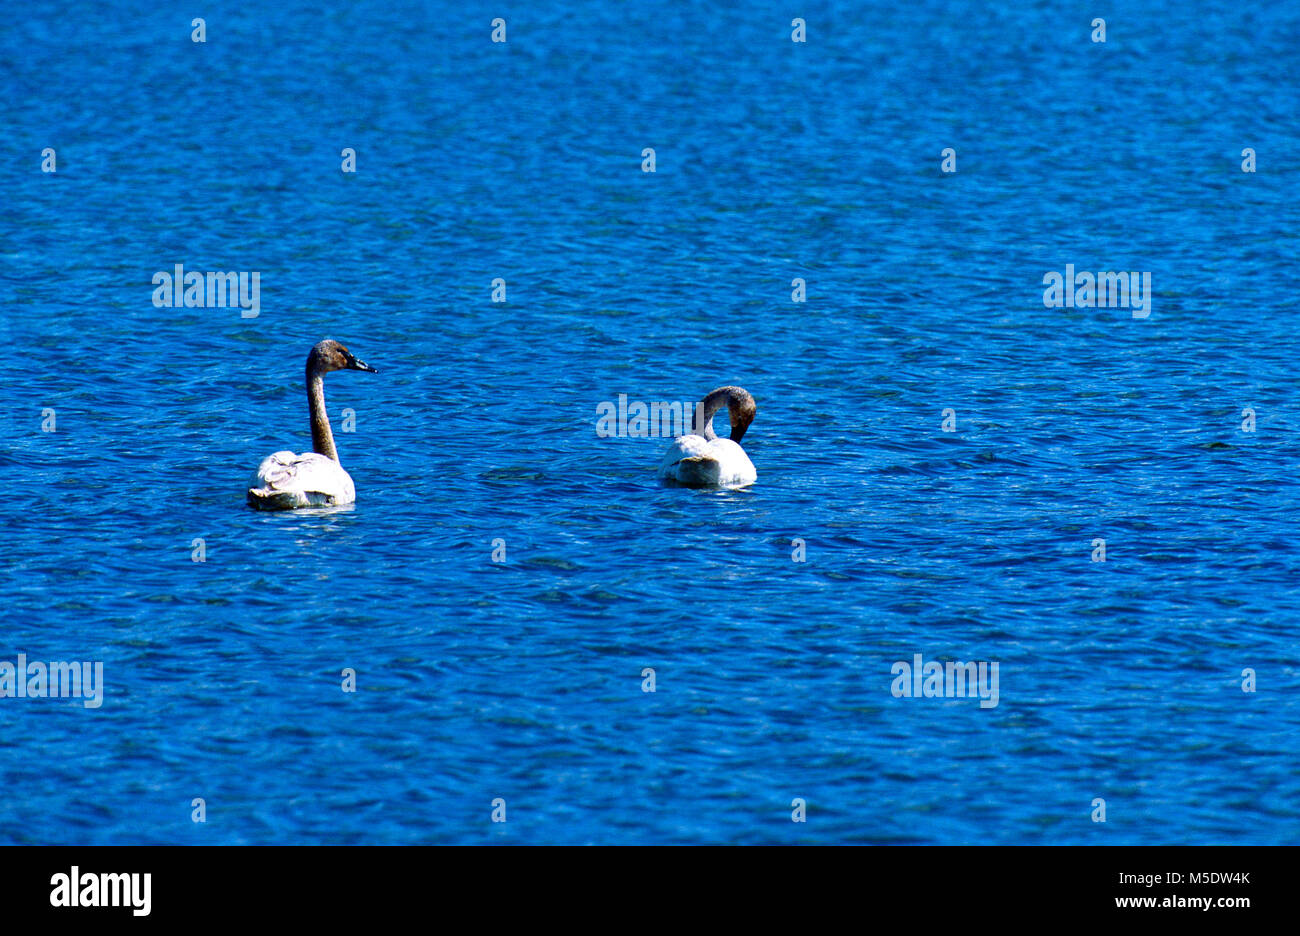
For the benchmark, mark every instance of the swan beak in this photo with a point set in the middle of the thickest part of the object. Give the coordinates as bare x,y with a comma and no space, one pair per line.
361,365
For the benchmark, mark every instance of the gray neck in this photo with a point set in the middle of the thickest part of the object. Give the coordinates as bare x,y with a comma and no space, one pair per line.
740,410
712,403
322,438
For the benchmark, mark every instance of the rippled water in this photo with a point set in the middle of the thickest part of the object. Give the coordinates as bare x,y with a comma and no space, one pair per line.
522,679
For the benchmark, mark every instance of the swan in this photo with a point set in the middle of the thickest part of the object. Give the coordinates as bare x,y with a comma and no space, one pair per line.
704,460
284,480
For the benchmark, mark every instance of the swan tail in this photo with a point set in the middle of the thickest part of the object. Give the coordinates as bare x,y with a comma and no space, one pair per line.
266,498
698,470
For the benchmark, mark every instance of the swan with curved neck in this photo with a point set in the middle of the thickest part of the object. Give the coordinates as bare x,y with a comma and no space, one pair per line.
702,459
285,481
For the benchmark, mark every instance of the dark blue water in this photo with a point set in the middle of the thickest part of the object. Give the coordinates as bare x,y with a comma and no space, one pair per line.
1119,680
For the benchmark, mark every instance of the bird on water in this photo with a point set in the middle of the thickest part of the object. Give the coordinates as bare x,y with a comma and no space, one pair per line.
286,481
701,459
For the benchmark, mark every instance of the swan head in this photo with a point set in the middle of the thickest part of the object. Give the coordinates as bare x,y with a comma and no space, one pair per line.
330,355
741,408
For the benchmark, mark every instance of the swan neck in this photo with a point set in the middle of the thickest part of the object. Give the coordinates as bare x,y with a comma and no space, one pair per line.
322,437
740,408
708,408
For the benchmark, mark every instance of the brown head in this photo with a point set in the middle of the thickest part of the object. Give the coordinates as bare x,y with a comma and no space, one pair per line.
329,355
740,407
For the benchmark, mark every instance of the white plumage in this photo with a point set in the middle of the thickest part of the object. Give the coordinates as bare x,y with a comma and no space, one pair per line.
700,462
286,481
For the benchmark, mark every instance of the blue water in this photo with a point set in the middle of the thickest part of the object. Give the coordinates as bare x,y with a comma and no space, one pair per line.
522,679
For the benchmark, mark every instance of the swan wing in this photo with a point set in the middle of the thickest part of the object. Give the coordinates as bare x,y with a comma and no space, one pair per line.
285,481
698,462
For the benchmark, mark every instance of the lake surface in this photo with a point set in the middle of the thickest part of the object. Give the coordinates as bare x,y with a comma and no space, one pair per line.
522,679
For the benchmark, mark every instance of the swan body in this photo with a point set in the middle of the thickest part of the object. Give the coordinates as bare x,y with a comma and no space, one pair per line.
285,481
699,462
702,459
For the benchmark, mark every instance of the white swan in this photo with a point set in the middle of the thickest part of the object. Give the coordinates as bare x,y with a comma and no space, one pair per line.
704,460
284,480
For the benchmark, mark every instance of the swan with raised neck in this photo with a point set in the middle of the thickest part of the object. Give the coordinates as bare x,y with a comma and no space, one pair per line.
285,481
701,459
